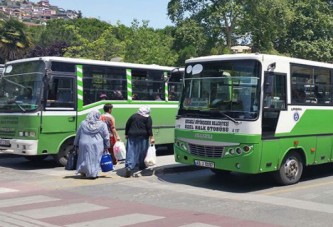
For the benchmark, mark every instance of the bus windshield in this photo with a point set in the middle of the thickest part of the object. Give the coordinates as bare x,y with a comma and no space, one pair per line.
221,89
21,87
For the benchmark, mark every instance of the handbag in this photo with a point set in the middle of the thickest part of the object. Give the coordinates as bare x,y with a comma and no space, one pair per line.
150,158
71,160
106,162
119,150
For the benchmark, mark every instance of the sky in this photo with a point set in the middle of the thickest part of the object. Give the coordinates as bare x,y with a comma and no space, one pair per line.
123,11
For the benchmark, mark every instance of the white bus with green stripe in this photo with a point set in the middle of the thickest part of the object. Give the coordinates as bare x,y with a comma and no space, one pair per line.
64,90
255,113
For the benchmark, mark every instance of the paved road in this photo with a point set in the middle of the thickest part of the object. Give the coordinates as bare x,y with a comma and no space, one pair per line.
47,195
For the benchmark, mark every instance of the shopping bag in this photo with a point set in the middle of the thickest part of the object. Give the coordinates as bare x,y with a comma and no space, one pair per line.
150,158
106,162
71,160
119,150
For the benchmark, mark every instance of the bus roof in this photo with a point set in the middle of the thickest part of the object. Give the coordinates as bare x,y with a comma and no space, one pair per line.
260,57
92,62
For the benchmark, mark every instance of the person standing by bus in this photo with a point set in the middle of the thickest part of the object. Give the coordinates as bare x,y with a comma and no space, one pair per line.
111,124
92,138
139,133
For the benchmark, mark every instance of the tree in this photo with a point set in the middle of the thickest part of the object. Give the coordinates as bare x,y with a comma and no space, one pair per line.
219,19
148,46
105,48
266,23
310,35
190,40
56,49
14,41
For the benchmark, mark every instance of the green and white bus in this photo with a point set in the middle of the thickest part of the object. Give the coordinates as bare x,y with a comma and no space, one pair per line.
255,113
64,90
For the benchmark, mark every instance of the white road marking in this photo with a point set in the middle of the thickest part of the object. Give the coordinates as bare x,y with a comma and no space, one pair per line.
119,221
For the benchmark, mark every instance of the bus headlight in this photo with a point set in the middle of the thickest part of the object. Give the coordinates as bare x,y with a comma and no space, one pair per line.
239,150
183,146
231,151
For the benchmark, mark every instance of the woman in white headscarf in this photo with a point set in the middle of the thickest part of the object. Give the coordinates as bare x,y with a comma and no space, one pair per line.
92,138
138,133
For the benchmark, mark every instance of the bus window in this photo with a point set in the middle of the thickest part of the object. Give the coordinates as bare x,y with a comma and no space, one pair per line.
106,81
175,85
147,84
310,85
275,91
61,92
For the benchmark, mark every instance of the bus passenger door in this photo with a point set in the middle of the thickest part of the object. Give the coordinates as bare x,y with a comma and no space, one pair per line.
59,115
274,101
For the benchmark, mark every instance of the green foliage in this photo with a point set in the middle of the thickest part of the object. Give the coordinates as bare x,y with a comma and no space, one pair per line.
268,26
14,41
105,48
295,28
145,45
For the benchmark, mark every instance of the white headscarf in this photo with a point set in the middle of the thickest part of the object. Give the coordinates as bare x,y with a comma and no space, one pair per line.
144,111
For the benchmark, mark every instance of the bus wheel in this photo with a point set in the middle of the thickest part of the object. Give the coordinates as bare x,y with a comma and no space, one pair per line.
61,157
220,172
291,169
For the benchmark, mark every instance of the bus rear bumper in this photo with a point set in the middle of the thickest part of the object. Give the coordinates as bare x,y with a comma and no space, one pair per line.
19,147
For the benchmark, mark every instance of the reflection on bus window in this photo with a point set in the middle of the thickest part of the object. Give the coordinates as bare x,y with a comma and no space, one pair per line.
310,85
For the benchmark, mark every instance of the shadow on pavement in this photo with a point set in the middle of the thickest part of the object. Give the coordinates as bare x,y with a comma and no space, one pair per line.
21,163
233,182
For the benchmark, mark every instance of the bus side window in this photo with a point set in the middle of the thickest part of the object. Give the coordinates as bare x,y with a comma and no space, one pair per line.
61,93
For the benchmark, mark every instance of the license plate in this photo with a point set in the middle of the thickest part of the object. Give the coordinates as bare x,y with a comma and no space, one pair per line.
204,163
5,143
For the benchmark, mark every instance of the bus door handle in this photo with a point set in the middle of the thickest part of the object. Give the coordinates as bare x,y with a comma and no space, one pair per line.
71,119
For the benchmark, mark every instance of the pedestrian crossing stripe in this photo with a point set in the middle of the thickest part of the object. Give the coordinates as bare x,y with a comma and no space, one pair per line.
56,211
198,224
16,220
119,221
7,190
26,200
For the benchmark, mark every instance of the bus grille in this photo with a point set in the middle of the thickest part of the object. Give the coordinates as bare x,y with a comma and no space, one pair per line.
206,151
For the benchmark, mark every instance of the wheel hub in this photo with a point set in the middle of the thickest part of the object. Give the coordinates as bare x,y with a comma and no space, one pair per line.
291,168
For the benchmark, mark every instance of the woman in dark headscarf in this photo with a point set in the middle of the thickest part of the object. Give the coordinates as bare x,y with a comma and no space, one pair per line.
92,138
139,133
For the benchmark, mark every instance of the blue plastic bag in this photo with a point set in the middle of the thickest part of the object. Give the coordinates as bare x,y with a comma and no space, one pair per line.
106,162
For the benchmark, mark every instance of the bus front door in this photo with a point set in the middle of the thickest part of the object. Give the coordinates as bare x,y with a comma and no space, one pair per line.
274,102
59,118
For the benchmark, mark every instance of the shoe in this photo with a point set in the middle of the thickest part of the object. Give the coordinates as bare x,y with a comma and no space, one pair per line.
142,167
128,172
92,178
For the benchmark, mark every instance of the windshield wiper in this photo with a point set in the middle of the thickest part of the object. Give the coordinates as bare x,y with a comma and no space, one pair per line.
224,115
18,104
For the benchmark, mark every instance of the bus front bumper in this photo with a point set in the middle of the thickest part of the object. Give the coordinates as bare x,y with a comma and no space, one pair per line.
19,147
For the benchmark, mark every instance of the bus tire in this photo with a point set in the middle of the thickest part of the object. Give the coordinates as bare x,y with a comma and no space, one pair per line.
221,172
291,169
61,157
